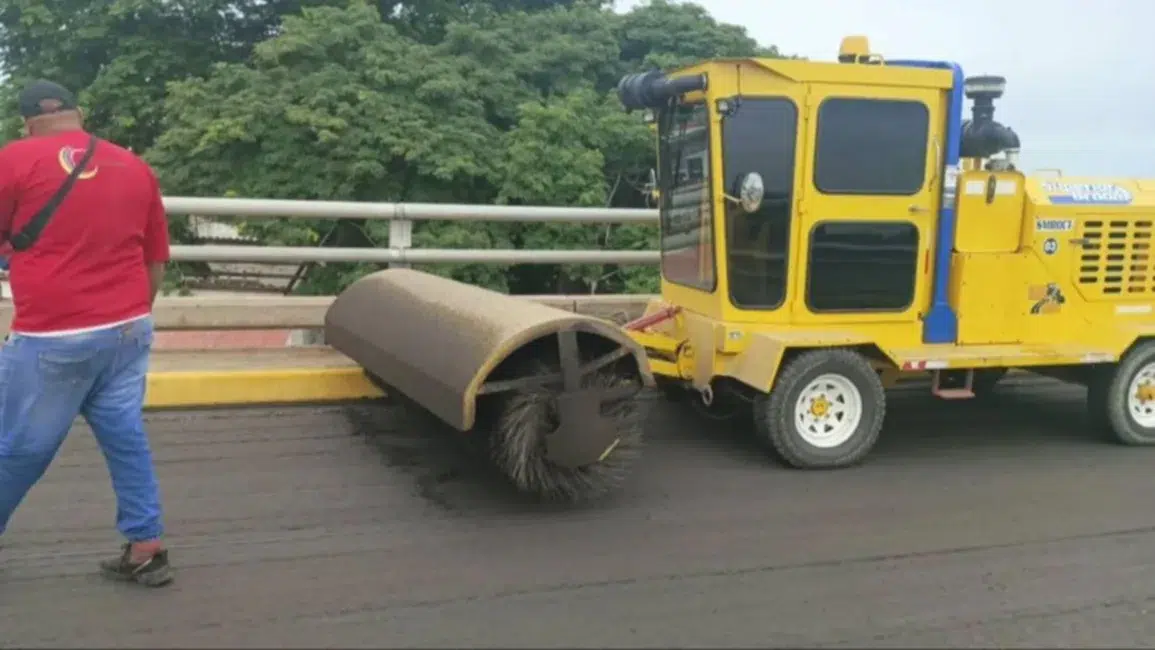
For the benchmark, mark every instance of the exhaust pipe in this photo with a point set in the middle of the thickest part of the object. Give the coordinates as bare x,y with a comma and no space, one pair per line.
653,89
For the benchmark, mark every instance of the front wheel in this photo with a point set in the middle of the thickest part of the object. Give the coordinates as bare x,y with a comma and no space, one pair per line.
825,410
1123,401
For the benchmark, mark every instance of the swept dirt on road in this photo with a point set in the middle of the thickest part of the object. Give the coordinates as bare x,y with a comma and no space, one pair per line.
997,524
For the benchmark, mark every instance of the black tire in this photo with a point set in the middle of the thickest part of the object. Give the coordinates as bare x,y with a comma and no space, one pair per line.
1108,396
775,413
1098,383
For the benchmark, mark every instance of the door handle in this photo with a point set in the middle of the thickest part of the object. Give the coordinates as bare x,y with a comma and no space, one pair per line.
915,209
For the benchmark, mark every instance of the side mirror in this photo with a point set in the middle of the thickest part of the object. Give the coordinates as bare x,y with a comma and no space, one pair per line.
751,191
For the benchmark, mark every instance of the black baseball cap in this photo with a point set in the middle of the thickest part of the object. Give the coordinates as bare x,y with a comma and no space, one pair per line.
43,97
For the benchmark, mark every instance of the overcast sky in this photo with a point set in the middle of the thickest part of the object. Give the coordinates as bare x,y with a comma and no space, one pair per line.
1080,74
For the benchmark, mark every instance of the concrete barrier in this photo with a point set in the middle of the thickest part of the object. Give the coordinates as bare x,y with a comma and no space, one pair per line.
312,373
308,312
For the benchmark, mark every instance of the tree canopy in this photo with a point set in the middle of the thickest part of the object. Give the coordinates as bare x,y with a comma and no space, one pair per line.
461,101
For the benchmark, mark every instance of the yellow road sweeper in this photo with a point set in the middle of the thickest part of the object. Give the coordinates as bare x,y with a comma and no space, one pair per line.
826,228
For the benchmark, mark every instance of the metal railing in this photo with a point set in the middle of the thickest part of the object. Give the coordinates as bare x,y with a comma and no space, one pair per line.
400,251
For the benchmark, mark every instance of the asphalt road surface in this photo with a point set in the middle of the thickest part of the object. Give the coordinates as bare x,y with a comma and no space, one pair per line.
1000,524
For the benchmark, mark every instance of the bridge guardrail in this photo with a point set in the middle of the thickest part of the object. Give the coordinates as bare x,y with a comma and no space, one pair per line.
400,251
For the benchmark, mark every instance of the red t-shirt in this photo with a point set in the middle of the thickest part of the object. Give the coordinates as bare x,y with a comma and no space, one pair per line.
89,266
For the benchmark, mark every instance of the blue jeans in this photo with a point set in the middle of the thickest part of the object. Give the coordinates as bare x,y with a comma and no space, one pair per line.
45,382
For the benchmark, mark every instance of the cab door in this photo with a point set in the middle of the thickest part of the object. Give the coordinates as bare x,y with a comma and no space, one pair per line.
867,218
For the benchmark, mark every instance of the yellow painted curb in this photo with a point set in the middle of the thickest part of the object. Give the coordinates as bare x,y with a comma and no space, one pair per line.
237,387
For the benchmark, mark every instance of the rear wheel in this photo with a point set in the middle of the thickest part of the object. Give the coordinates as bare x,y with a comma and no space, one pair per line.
825,410
1123,401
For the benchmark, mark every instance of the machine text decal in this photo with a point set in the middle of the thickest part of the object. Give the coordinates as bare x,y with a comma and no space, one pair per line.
1054,225
1093,193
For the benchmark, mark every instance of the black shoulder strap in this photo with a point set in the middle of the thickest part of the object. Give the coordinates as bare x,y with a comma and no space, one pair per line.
24,239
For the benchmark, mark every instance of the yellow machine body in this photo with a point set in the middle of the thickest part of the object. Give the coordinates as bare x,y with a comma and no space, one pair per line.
1042,273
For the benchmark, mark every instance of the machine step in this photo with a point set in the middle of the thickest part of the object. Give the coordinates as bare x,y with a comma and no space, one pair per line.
966,391
954,393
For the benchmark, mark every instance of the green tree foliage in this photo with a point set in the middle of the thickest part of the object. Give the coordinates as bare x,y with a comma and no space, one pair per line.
9,120
461,101
121,53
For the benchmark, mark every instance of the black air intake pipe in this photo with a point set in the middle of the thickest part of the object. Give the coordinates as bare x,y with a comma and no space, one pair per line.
653,89
986,139
982,136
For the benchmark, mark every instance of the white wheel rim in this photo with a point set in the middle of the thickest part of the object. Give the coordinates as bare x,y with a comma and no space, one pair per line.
1141,396
828,411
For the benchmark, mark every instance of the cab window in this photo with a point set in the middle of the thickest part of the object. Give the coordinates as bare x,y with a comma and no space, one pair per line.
687,241
871,146
862,266
759,136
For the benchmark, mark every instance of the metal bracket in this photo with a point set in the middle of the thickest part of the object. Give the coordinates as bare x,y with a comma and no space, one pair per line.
584,434
504,385
400,239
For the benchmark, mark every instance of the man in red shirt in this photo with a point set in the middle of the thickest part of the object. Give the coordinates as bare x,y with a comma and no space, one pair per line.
83,329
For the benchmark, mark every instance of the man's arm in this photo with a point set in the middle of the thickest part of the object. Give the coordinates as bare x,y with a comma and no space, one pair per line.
156,243
8,192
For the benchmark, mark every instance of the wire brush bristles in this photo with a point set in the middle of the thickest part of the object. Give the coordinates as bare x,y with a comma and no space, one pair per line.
518,443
